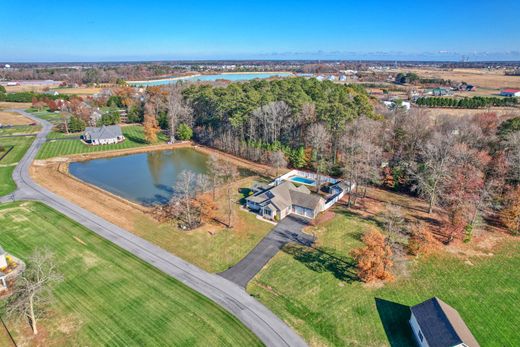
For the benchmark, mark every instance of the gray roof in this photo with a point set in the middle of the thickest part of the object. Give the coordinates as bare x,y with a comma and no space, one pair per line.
307,200
287,194
104,133
442,325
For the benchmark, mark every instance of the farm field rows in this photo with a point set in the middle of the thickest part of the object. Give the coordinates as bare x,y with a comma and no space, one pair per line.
317,293
108,296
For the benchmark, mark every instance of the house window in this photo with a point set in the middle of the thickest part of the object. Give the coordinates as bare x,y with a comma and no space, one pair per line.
421,337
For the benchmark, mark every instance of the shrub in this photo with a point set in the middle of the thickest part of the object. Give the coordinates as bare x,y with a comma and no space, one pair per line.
184,132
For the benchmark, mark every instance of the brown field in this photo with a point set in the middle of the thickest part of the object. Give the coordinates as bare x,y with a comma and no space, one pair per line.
9,105
492,79
500,111
79,91
12,118
30,87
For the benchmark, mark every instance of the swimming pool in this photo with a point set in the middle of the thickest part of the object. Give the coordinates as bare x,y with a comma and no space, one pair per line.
303,180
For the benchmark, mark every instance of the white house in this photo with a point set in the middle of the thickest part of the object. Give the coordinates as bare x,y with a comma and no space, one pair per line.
437,324
510,92
3,260
104,135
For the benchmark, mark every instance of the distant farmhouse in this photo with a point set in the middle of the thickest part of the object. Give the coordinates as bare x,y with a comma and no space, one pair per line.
289,194
437,324
510,92
104,135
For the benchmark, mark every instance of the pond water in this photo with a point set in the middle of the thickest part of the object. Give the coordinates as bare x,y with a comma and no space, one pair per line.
145,178
224,76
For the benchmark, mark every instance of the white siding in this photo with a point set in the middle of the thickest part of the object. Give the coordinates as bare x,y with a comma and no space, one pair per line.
3,261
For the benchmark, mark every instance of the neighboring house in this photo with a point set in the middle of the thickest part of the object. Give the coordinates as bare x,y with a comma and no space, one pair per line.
52,92
510,92
342,78
3,260
437,324
104,135
332,78
320,78
276,202
392,105
440,92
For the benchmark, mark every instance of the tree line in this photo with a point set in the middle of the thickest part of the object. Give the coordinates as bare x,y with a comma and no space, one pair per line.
473,102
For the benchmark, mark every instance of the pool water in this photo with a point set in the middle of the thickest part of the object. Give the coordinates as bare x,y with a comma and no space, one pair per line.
303,180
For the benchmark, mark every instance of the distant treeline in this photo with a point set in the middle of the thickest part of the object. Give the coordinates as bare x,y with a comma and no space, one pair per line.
29,97
473,102
413,78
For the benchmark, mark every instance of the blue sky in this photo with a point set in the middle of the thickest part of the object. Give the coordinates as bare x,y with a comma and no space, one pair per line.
146,30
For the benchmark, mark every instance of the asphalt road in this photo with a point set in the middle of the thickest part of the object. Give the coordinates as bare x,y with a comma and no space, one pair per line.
271,330
288,230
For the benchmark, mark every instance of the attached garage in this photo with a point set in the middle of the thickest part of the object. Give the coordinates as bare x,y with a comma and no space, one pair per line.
303,211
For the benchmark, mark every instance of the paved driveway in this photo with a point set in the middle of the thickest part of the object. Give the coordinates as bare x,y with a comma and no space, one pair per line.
288,230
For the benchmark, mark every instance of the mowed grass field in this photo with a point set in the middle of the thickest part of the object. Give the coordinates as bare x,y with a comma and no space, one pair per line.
52,117
317,293
108,296
8,163
134,135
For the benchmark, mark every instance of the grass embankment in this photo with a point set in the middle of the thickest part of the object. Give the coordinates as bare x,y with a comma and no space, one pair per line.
213,246
134,137
316,291
109,297
8,163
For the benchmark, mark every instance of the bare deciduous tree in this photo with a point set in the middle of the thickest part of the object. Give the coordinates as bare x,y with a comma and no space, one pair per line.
33,290
177,109
278,160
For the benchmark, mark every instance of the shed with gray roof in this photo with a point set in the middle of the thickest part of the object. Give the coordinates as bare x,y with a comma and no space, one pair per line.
437,324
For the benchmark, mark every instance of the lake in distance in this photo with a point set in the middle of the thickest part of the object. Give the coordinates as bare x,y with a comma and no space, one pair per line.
145,178
230,77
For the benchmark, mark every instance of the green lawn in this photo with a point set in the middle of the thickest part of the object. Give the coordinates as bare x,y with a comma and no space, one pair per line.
52,117
134,135
8,163
317,293
109,297
20,129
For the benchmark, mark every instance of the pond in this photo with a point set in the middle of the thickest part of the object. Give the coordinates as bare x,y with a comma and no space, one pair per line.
145,178
224,76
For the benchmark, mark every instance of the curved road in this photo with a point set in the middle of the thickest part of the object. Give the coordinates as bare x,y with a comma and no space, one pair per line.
271,330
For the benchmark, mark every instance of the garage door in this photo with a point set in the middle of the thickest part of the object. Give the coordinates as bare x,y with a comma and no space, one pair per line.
308,213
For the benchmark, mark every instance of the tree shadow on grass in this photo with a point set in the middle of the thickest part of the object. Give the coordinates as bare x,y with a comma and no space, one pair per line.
395,318
322,260
244,192
135,139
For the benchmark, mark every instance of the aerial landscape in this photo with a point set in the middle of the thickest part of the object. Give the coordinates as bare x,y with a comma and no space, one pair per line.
229,173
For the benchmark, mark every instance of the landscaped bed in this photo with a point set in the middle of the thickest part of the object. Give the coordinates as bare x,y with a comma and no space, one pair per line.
316,290
108,296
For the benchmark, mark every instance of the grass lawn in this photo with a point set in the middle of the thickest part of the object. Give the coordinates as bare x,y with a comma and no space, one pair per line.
20,129
317,293
46,115
212,247
8,163
134,138
109,297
